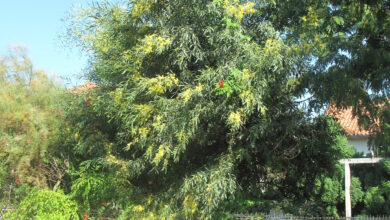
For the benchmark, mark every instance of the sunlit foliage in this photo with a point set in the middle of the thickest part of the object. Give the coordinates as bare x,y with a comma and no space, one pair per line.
29,116
193,107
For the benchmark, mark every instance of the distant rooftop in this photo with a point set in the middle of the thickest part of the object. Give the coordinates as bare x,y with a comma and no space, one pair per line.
84,87
348,121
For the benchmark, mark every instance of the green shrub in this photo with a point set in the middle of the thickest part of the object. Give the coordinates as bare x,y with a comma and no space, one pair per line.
45,204
373,201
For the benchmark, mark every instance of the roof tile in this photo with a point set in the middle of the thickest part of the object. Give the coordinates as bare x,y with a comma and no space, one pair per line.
348,121
84,88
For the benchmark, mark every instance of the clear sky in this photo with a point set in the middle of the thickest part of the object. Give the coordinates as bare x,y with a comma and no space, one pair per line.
37,24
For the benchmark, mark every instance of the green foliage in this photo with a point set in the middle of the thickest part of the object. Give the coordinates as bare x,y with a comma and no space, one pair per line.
207,189
11,191
94,188
164,103
94,178
29,115
344,53
89,188
45,204
381,139
331,194
3,177
195,113
357,193
184,142
374,201
243,202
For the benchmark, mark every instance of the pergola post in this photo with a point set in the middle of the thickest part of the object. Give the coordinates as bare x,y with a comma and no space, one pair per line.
348,209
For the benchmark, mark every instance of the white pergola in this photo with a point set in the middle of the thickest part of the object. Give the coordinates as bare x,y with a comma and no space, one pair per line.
347,162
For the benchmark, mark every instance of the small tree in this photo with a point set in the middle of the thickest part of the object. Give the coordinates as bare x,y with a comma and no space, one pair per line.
202,98
30,114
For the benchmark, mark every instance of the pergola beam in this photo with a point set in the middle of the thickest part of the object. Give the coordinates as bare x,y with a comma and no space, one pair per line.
361,160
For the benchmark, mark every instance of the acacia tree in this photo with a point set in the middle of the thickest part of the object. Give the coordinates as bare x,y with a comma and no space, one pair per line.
202,98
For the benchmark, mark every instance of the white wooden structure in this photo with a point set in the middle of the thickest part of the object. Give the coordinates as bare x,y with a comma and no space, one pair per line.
347,162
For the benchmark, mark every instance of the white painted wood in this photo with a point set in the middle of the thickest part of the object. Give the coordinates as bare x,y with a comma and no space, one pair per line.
361,160
348,208
347,162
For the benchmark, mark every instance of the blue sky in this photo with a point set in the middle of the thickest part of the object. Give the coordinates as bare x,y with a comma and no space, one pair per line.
37,24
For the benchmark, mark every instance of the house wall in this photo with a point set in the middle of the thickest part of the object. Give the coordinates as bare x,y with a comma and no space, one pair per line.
360,143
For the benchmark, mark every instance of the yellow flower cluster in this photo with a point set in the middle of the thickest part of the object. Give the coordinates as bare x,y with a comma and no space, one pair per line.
162,149
247,98
160,84
149,151
235,120
319,42
153,43
103,42
144,111
199,88
117,95
190,206
150,43
111,159
141,7
143,132
272,46
181,137
127,55
157,122
187,95
136,75
237,10
311,18
156,88
247,74
138,208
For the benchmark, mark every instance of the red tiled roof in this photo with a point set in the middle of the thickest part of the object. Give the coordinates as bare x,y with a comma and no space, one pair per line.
84,88
348,121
